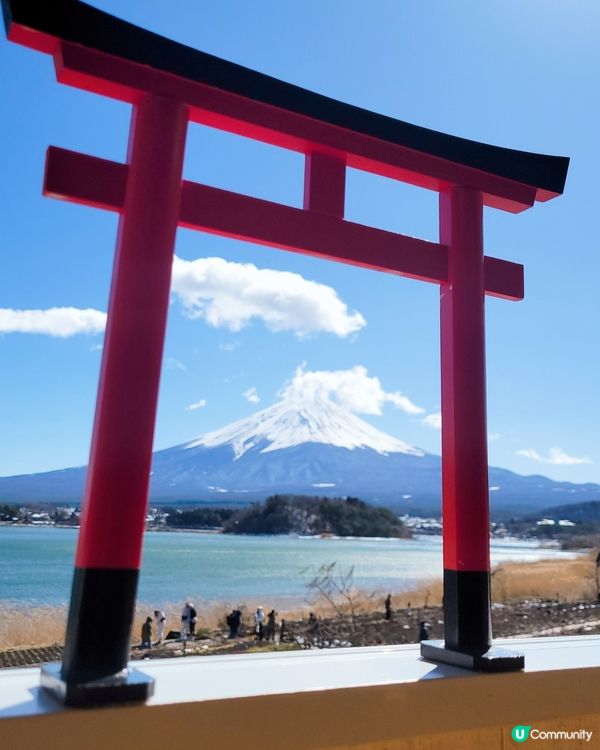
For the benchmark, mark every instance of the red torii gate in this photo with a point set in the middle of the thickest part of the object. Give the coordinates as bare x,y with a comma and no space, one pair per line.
168,85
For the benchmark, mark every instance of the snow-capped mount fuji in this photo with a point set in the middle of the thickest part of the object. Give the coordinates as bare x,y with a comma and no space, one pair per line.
305,444
296,421
300,444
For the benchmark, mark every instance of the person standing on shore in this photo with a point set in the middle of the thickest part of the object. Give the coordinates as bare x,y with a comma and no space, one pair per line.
312,629
313,623
160,618
233,620
185,622
259,618
271,625
388,607
147,633
193,620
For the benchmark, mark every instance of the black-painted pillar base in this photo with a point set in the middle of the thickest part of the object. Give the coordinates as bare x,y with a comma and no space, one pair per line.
467,610
493,660
97,645
128,686
467,627
99,626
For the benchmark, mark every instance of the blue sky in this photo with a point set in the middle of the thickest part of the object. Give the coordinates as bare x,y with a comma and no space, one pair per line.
516,73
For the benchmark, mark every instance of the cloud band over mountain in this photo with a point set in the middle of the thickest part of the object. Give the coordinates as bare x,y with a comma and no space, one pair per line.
353,389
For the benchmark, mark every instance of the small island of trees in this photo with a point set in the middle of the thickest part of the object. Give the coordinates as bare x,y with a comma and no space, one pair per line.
295,514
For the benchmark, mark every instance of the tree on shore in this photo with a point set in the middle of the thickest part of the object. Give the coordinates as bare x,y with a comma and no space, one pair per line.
9,512
199,518
335,586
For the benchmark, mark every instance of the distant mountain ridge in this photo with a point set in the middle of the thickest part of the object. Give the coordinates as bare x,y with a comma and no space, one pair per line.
303,446
587,512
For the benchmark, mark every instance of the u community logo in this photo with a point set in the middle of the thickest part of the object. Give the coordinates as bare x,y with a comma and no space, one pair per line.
522,732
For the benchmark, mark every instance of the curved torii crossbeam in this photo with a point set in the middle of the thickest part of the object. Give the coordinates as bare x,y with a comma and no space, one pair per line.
168,85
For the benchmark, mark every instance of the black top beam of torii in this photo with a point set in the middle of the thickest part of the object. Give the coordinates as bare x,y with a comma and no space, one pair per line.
78,23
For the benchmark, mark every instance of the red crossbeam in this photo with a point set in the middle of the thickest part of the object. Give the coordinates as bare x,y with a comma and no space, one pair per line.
101,183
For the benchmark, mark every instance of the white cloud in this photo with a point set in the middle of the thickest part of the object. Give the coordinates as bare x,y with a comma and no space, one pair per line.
61,322
230,295
555,456
433,420
530,453
353,389
494,436
229,346
96,347
175,364
251,395
225,294
198,405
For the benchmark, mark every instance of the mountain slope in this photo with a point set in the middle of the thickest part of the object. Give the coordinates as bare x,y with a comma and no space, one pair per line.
308,446
296,421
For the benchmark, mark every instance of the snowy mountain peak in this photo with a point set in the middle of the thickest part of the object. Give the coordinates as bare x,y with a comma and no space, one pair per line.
299,420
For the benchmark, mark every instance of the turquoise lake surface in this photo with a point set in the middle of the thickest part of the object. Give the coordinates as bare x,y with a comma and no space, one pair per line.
36,565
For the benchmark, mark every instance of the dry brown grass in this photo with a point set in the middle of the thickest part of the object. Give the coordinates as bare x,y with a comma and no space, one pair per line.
33,626
564,580
568,580
46,625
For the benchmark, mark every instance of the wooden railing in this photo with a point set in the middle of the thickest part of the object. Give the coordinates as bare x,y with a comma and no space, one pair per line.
365,699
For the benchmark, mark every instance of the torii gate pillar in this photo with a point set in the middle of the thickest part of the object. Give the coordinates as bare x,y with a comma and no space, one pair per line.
464,431
465,504
109,548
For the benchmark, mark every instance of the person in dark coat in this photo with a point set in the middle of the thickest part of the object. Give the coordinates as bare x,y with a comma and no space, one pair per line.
388,607
423,632
193,621
234,619
271,626
147,633
312,628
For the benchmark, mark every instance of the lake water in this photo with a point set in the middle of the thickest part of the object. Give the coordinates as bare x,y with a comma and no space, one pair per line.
36,565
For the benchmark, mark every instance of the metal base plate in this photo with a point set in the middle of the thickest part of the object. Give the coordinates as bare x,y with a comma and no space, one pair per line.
128,686
494,660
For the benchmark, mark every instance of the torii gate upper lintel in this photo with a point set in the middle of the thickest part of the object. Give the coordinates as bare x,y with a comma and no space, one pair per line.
168,85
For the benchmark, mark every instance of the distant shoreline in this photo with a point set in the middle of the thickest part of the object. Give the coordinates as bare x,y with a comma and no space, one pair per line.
542,544
179,530
76,527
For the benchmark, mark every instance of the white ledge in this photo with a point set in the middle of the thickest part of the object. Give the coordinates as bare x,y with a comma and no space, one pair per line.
210,678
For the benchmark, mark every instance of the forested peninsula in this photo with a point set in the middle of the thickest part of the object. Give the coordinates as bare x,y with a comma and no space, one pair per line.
295,514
